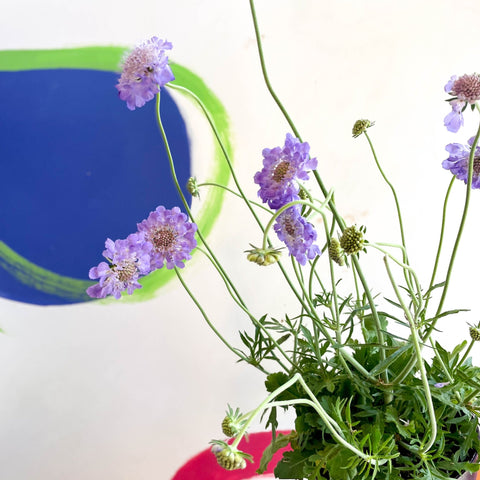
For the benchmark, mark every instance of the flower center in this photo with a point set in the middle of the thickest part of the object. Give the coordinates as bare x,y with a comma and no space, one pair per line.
281,171
467,88
289,227
476,166
163,238
127,271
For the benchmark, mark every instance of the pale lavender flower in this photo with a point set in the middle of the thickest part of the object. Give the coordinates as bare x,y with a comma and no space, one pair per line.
128,260
172,237
145,70
457,162
297,234
282,168
465,90
454,120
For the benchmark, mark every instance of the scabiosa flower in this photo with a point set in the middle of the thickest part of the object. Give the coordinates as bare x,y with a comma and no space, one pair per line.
465,90
282,167
145,70
128,260
457,162
172,237
297,234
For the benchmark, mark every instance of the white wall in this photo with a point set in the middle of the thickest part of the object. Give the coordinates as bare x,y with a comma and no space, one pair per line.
90,392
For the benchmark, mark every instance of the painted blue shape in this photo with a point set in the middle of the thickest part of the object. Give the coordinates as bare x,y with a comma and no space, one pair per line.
77,167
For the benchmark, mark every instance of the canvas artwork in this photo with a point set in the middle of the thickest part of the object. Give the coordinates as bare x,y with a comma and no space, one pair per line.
137,387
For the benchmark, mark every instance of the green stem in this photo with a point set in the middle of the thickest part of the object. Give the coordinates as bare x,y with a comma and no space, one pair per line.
394,193
440,240
419,360
210,324
253,318
182,196
229,190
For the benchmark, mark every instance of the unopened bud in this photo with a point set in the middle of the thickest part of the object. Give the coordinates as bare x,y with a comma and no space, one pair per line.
361,126
335,252
475,334
352,240
192,187
263,257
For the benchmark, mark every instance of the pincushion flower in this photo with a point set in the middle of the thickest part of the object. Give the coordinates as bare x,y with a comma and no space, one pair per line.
457,162
128,260
282,168
145,70
465,90
171,235
297,234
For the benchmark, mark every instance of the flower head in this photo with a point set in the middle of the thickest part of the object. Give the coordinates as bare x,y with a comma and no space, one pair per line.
297,234
465,90
128,260
229,457
145,70
457,162
335,252
263,256
361,126
282,168
233,422
474,333
171,235
352,240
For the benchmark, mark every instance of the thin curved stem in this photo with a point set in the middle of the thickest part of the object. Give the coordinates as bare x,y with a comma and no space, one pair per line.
418,359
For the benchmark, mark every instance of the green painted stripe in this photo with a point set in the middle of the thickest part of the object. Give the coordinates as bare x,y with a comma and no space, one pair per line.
109,59
93,58
40,278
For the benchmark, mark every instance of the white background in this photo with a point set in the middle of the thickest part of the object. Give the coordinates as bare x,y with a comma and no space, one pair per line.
131,391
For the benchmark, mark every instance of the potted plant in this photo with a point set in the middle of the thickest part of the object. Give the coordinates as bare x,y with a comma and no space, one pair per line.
375,393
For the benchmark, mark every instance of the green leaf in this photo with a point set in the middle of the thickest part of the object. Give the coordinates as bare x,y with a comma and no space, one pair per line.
382,366
280,442
291,465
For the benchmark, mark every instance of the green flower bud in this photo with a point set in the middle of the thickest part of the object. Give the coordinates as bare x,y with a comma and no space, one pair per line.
263,257
303,194
361,126
228,457
335,252
192,187
352,240
475,334
232,423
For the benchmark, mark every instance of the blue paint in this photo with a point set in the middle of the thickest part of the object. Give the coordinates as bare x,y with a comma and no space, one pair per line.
77,167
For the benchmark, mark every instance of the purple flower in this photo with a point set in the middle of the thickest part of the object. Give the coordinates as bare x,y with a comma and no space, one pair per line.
282,167
457,162
172,237
145,70
465,90
297,234
454,120
128,260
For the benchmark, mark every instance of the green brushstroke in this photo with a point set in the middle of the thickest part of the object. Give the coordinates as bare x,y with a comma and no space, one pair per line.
40,278
109,59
